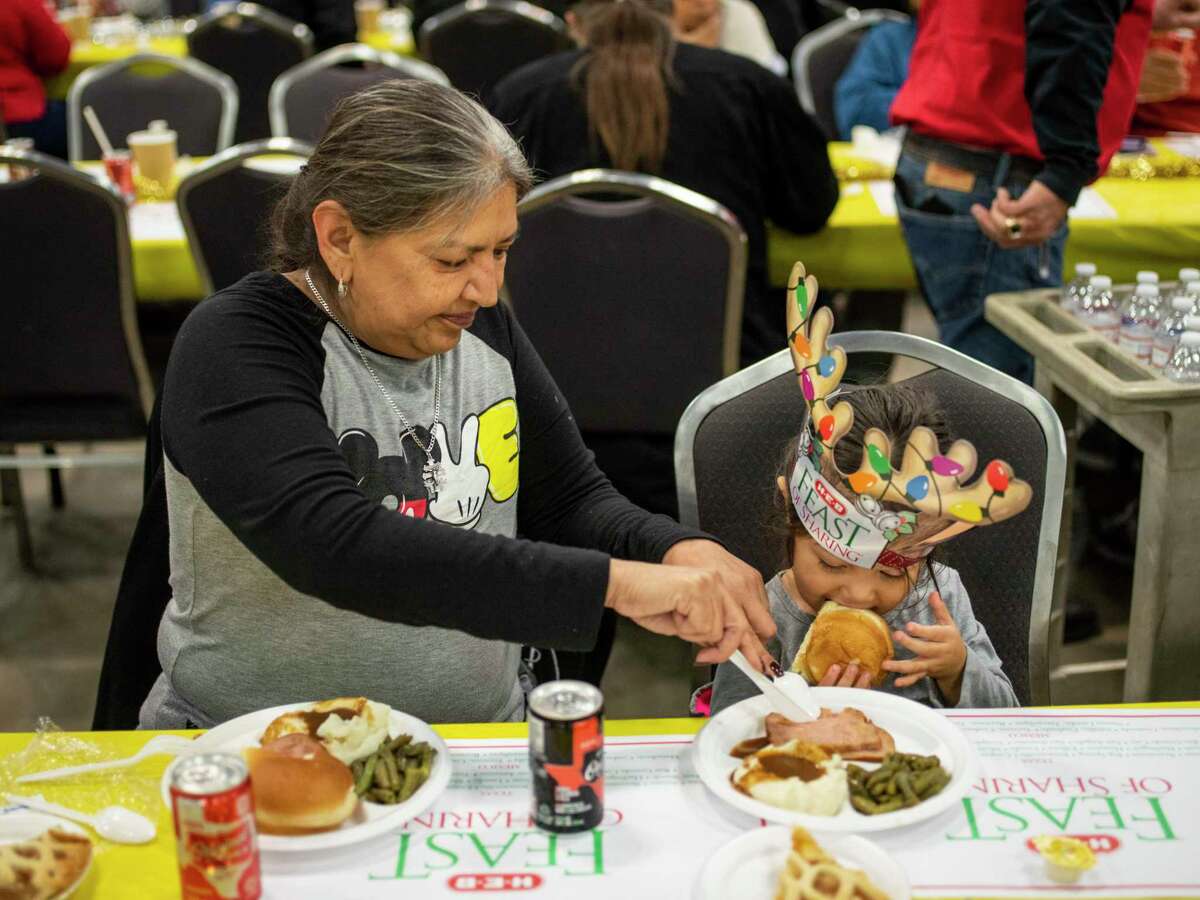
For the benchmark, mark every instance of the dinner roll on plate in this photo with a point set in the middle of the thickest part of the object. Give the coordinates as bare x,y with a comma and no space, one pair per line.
298,787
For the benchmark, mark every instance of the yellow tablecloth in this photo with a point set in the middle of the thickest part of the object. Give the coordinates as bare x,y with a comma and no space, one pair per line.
85,54
149,872
1157,227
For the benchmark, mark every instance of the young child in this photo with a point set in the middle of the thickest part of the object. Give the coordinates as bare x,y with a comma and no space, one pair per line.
867,495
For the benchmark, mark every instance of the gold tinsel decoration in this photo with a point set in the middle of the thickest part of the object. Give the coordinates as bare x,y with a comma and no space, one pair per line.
1140,167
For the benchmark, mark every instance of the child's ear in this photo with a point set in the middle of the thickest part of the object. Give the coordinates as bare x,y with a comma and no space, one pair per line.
782,484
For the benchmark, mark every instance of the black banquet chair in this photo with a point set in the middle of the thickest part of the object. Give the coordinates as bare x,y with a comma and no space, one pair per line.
822,55
226,205
622,281
480,41
253,46
198,102
72,368
1008,570
303,97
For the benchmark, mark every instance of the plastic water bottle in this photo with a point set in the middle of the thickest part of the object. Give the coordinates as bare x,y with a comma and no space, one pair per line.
1077,285
1139,318
1170,327
1097,309
1184,364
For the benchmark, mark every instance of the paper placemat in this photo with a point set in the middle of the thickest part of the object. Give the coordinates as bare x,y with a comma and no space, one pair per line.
1128,781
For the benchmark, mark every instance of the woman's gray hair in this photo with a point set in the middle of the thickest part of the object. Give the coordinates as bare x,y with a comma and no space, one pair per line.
397,156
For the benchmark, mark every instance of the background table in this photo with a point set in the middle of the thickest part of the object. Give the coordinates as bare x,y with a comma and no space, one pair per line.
1126,776
1077,369
1157,227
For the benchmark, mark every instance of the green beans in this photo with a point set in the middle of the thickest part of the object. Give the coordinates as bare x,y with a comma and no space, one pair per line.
395,771
901,781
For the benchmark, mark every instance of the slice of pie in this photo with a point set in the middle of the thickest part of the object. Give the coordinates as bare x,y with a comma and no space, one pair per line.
812,874
43,867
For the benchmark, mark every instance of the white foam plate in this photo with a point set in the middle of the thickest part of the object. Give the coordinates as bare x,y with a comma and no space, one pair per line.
915,728
20,824
369,820
748,867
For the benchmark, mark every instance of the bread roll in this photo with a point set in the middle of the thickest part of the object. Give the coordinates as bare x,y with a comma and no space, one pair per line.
840,636
298,787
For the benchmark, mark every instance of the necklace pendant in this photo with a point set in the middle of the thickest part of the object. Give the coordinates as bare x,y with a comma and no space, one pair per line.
433,474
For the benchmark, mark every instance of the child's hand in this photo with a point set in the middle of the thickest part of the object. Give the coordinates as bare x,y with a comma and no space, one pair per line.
836,676
940,651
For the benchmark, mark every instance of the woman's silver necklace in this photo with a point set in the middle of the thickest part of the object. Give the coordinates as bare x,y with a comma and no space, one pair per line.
432,473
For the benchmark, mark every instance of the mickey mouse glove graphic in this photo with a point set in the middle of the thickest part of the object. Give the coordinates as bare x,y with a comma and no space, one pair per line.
464,487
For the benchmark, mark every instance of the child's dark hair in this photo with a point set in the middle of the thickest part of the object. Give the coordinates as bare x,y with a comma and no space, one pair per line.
894,409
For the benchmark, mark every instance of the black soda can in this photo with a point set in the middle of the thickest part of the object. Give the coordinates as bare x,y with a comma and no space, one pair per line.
566,755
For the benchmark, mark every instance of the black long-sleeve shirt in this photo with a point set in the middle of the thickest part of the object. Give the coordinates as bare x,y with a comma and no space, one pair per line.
737,134
310,558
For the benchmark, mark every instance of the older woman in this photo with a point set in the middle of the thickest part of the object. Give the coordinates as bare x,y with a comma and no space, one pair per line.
373,485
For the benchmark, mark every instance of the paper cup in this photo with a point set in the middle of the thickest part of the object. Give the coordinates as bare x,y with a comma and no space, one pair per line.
154,154
366,13
76,22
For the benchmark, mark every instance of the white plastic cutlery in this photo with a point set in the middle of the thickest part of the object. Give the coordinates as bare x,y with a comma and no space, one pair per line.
792,700
160,744
116,823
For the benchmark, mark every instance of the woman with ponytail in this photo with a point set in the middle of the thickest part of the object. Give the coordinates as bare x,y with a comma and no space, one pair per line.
632,97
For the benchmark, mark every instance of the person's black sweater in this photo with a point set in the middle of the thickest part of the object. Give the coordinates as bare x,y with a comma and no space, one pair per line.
737,134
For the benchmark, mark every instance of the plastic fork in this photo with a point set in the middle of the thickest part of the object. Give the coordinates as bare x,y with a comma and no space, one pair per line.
159,744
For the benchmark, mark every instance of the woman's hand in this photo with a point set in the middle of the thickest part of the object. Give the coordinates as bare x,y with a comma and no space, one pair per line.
745,599
700,605
851,676
941,653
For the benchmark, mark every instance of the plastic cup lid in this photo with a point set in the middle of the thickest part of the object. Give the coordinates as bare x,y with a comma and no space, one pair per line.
1189,274
1085,268
1147,277
1100,281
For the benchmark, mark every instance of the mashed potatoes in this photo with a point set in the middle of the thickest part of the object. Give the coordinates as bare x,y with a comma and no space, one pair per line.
356,738
791,776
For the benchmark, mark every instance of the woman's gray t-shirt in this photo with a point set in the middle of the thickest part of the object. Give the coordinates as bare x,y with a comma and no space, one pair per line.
984,684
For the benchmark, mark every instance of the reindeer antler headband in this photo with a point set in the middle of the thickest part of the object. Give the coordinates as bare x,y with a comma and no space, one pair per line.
928,483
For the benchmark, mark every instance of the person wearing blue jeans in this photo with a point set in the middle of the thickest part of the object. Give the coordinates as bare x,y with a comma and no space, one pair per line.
958,264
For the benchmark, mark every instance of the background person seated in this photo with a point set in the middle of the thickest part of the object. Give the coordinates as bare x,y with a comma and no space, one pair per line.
735,26
864,93
32,46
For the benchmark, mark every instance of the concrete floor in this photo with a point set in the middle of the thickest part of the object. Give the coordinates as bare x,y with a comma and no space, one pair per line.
54,622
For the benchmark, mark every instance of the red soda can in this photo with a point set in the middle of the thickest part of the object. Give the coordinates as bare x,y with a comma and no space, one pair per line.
566,755
215,834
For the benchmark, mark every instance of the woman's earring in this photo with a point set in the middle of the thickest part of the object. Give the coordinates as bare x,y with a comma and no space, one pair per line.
341,289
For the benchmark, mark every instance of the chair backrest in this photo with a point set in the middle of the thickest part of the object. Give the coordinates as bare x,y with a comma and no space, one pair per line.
619,294
730,444
199,102
71,363
479,42
303,97
226,206
254,46
823,54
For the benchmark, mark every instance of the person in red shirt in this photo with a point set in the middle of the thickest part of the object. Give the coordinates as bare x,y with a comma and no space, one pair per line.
1012,106
33,46
1169,92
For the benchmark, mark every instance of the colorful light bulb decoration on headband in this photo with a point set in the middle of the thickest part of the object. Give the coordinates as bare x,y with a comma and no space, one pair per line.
928,483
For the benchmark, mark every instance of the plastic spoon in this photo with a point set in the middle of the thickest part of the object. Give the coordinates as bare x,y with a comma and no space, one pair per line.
115,823
162,743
